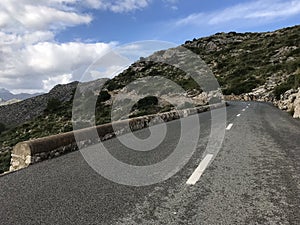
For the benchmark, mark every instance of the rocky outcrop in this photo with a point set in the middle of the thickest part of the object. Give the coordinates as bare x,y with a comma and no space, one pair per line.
297,106
290,102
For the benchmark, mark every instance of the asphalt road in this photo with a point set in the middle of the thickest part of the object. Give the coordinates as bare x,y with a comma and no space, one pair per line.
254,178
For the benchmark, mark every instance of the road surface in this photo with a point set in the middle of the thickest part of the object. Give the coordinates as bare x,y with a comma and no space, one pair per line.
254,179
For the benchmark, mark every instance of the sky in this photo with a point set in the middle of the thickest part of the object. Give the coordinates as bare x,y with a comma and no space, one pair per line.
49,42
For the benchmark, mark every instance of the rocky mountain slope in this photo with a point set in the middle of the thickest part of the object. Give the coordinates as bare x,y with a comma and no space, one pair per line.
26,110
255,66
248,66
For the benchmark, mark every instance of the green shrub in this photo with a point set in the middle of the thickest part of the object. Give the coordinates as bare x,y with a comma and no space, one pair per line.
239,86
144,103
281,89
293,81
113,85
189,84
104,96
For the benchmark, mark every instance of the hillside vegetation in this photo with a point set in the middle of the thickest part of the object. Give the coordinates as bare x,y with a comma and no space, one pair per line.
241,62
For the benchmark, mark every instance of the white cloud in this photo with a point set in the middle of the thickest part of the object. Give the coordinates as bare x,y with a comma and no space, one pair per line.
129,5
117,6
51,57
26,15
254,11
31,59
52,81
109,72
16,41
40,65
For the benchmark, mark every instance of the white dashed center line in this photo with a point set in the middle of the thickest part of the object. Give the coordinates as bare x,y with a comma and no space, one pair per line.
200,170
229,126
238,115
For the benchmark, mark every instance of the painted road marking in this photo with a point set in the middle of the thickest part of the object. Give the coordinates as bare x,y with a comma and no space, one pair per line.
238,115
244,110
229,126
200,170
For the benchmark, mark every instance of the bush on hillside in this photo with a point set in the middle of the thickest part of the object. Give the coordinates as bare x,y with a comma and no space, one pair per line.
146,102
104,96
293,81
240,86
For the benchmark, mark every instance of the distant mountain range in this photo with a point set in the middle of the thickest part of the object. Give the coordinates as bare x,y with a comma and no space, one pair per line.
6,95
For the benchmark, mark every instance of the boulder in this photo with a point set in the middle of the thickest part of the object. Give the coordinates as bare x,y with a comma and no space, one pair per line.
297,105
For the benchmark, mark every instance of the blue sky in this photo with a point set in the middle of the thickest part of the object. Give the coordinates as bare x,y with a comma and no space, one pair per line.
52,41
158,21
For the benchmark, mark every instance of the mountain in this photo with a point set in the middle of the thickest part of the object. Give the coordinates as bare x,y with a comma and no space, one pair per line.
6,95
248,66
255,66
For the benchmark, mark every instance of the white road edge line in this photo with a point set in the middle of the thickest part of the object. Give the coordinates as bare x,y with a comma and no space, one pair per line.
238,115
200,170
229,126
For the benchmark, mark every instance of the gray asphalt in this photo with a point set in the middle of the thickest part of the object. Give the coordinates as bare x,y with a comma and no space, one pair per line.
254,179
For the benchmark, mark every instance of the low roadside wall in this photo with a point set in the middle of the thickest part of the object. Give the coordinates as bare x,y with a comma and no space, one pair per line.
30,152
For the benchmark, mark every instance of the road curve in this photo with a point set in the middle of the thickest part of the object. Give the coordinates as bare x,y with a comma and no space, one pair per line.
254,179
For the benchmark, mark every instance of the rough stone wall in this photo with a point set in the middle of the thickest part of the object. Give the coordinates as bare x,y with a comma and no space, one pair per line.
290,102
30,152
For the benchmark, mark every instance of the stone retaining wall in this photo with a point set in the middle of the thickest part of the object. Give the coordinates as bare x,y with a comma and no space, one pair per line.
30,152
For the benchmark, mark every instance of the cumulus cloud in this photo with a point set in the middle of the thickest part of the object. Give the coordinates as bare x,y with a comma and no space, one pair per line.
128,5
30,58
27,15
253,12
44,64
52,81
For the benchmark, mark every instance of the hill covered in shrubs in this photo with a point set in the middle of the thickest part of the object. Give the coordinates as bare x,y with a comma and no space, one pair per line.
264,66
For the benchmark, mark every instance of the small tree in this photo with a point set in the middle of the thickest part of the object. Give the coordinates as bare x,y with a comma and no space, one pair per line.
104,96
146,102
